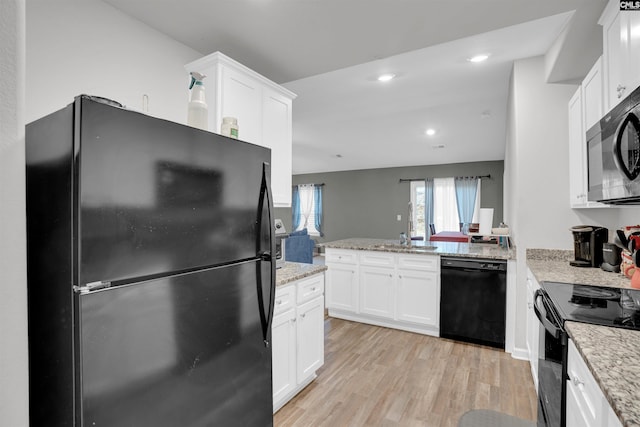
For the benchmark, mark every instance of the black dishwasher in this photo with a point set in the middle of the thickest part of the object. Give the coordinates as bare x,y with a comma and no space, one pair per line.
473,300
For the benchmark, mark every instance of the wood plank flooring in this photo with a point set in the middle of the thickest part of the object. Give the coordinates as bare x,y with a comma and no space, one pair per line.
376,376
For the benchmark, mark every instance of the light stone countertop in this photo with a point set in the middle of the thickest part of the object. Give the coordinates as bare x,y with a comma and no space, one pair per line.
613,358
467,250
549,265
292,271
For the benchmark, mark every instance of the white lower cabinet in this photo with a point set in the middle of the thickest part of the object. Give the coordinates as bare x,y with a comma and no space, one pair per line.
283,338
586,404
533,327
377,292
418,297
342,280
399,291
310,336
297,335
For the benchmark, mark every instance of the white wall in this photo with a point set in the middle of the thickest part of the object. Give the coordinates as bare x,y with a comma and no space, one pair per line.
13,290
70,47
88,47
537,176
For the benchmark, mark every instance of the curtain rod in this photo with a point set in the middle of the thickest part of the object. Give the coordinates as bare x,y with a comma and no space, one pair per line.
427,179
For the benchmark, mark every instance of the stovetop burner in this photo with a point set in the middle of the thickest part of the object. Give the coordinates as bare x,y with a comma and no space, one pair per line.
591,296
585,291
596,304
632,322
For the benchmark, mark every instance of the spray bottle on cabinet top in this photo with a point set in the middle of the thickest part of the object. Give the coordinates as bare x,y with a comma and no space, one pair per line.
197,113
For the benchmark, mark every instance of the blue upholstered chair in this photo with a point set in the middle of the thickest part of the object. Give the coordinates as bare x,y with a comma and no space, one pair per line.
299,247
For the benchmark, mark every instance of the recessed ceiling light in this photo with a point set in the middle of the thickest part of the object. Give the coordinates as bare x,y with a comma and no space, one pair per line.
430,132
386,77
478,58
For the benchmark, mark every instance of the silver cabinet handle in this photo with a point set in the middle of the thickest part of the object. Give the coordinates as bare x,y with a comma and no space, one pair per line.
576,381
303,315
620,90
279,302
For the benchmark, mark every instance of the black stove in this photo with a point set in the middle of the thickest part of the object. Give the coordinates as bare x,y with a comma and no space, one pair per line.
556,303
597,305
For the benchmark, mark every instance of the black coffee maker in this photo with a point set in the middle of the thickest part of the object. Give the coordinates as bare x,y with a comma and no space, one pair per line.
587,244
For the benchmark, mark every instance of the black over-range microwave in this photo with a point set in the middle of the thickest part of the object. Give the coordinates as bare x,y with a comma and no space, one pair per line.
613,154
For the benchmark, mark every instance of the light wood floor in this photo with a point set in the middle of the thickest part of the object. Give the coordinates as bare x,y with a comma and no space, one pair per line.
382,377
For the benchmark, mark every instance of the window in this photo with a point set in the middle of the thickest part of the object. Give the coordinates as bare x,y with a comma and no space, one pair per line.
418,204
443,212
307,208
445,206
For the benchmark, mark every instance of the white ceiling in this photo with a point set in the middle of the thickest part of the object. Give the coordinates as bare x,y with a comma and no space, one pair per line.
330,51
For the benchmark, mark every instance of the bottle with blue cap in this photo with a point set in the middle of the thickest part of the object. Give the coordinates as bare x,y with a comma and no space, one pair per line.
198,111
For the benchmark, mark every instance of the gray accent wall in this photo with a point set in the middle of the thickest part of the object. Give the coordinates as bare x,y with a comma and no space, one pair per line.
365,203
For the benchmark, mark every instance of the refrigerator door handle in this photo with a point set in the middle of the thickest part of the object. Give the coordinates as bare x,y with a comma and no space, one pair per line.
266,310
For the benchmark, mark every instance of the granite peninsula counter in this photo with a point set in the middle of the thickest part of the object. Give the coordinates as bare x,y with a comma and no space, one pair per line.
467,250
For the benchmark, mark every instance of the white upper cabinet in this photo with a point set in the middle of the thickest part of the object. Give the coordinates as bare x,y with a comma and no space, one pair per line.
585,110
577,163
592,96
621,52
262,107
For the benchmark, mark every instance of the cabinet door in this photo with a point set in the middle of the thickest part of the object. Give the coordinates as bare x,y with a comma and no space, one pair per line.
589,399
633,62
342,287
592,96
418,297
242,98
613,57
276,134
310,338
577,160
377,291
283,333
533,329
575,416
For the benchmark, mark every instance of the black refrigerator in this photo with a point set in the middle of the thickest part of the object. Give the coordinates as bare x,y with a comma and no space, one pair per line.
150,277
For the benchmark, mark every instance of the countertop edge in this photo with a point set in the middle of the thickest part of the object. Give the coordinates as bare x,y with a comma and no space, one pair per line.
467,250
292,271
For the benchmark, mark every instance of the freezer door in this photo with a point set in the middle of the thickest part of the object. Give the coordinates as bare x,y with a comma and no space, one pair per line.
156,196
186,351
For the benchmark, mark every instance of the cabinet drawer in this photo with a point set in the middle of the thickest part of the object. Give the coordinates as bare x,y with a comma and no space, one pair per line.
589,397
341,256
419,262
310,288
285,299
378,259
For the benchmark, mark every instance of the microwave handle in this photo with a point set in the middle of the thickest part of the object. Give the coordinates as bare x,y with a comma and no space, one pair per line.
633,120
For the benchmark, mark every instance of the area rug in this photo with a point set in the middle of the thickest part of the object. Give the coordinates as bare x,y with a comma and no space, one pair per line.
488,418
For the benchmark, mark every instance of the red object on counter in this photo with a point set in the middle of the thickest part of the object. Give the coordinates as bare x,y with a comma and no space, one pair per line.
635,279
449,236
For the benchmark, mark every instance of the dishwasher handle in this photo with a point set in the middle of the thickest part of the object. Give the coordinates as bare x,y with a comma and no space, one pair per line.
468,264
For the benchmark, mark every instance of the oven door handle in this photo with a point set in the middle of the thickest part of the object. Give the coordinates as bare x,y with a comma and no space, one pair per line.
541,314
